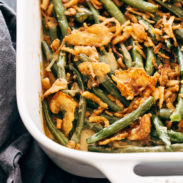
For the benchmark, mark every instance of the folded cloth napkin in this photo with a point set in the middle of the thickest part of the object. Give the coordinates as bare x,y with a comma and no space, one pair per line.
18,152
21,159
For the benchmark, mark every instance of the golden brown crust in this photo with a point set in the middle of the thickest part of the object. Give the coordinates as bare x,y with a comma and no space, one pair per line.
61,101
141,131
132,82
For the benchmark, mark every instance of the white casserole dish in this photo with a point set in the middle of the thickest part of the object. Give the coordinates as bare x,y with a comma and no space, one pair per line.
116,167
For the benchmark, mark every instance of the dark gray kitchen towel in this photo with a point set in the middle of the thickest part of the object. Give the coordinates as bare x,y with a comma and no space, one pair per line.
21,159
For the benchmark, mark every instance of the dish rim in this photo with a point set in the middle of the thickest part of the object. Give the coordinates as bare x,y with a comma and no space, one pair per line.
85,156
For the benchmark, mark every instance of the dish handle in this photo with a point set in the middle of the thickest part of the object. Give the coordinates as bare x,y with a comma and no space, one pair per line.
123,171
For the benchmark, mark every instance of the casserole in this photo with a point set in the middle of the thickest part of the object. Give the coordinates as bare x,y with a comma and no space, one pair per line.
116,167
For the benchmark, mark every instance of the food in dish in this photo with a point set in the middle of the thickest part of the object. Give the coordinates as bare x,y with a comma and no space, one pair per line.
113,73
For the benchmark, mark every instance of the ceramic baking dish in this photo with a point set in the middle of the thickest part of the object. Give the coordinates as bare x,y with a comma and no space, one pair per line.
116,167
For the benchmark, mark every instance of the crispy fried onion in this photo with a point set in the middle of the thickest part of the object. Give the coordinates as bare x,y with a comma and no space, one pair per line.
169,85
46,83
97,4
59,84
168,28
45,4
99,119
72,145
55,44
133,81
50,9
180,126
96,35
59,123
90,51
145,15
61,101
49,21
94,69
97,111
159,93
95,99
70,12
134,104
71,3
136,30
119,136
142,130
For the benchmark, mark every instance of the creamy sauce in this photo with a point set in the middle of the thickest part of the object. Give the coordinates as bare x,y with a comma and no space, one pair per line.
84,135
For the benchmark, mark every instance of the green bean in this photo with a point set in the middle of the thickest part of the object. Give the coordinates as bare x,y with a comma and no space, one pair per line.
81,17
45,31
108,84
165,113
61,64
94,11
114,11
179,34
150,28
172,8
142,5
149,67
60,13
78,77
56,69
123,122
82,107
80,121
93,126
137,58
125,142
135,149
154,134
59,136
99,93
49,56
168,43
53,32
113,90
87,11
177,115
111,119
126,55
47,51
162,131
180,60
175,136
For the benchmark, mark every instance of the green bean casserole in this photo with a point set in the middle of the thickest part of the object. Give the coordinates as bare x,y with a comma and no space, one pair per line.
112,74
